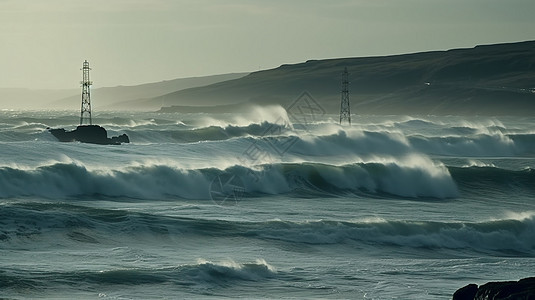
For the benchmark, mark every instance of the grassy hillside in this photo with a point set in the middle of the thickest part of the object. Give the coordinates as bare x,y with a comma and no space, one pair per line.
485,80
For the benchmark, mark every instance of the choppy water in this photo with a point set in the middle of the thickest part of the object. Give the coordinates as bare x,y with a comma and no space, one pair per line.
266,205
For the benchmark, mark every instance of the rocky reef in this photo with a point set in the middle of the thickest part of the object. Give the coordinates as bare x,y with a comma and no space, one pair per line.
523,289
93,134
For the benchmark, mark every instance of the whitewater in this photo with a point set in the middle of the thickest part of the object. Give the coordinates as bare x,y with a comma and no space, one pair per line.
274,203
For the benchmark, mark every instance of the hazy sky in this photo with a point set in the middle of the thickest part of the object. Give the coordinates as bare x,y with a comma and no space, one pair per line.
44,42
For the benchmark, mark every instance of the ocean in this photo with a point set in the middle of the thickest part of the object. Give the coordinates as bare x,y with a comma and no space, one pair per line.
273,203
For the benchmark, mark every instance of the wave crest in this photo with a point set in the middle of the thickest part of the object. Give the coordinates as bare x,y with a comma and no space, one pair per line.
413,177
505,235
202,274
41,223
207,271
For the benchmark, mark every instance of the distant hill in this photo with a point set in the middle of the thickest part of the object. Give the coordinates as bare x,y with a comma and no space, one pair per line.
105,98
134,97
485,80
19,98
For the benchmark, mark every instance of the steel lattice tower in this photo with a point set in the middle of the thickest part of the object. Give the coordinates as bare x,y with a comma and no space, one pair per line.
345,112
85,112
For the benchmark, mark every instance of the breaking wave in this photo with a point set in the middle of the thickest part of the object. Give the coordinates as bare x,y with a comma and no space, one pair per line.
210,133
479,145
203,274
272,125
411,177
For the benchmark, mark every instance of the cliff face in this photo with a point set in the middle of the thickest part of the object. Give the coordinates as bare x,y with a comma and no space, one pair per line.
493,79
506,290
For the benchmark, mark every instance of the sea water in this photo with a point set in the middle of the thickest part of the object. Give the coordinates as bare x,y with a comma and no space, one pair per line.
274,203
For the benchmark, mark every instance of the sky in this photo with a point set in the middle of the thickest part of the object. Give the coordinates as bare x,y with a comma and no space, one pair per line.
43,43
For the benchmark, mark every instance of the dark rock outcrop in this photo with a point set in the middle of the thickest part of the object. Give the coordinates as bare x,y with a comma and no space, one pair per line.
466,293
523,289
93,134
